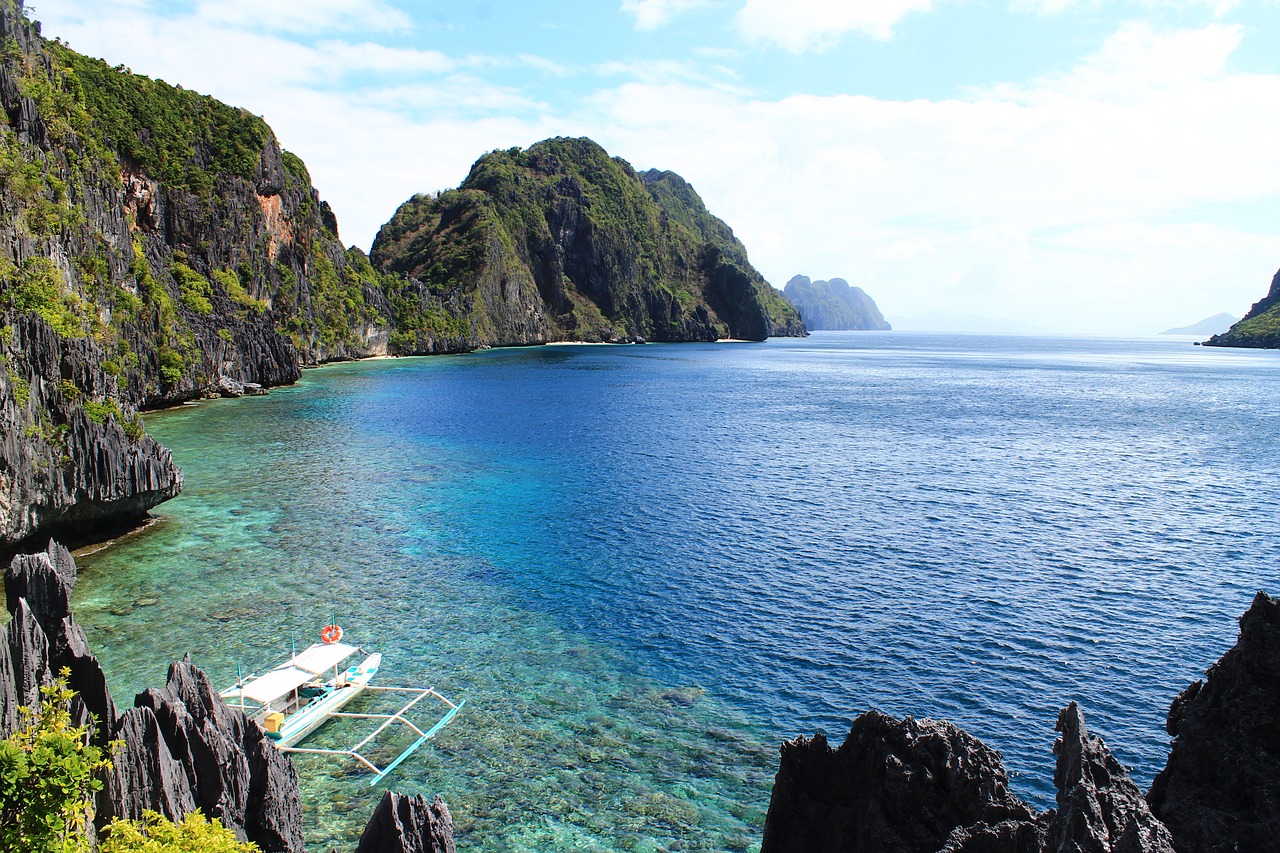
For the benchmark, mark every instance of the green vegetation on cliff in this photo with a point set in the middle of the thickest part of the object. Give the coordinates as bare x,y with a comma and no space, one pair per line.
1260,328
560,241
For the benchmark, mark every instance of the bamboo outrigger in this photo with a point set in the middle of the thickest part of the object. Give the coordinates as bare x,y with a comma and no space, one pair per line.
290,702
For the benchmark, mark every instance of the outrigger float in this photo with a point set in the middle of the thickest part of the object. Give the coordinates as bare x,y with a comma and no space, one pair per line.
291,701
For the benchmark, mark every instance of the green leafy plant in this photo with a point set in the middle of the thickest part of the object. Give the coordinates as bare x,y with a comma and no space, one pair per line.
194,288
48,773
157,834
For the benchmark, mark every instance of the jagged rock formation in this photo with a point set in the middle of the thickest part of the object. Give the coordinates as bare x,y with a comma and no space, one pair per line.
60,466
1260,327
183,748
1221,788
408,825
560,241
919,786
893,785
833,305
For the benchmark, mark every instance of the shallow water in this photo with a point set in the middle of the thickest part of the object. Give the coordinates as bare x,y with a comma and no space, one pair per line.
643,567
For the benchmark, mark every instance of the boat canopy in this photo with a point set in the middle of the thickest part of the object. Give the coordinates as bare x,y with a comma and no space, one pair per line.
322,657
276,683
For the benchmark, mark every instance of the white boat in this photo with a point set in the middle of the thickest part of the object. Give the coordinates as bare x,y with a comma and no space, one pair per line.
310,688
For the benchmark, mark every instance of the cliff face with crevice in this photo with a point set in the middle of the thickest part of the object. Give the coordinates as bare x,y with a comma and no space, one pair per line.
560,241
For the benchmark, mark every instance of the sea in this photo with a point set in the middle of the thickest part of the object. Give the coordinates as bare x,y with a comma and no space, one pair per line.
645,567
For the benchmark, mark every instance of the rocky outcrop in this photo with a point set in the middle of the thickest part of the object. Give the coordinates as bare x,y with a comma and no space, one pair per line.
156,246
919,786
63,464
833,305
1259,328
403,824
181,747
893,786
560,241
1221,788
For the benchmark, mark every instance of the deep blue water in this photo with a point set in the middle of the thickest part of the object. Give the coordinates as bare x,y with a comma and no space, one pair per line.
646,566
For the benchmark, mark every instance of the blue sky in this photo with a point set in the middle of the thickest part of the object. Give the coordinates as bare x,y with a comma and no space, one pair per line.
1070,165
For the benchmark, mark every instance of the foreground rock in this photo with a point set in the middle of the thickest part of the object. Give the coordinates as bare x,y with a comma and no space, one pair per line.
408,825
1221,788
893,785
920,786
181,747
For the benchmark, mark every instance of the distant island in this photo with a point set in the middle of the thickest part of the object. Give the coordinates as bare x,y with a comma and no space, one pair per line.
833,305
1215,325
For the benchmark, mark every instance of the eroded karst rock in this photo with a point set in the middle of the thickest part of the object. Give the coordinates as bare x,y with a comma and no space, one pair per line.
1220,790
919,786
403,824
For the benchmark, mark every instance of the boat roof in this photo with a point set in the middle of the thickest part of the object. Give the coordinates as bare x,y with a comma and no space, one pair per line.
322,656
304,667
276,683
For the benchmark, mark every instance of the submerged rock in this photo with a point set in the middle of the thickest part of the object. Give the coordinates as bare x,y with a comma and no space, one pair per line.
1220,790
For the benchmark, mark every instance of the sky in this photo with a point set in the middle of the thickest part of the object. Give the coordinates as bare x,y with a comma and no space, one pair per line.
1080,166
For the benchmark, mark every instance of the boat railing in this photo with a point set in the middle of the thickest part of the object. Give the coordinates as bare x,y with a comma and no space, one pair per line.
387,721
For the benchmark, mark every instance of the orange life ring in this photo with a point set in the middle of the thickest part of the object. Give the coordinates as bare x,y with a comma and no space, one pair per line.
331,633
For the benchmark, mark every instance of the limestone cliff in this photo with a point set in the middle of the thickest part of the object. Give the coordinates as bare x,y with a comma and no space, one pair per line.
833,305
562,242
1259,328
156,246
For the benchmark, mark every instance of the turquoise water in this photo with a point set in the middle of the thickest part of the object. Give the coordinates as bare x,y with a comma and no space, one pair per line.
643,567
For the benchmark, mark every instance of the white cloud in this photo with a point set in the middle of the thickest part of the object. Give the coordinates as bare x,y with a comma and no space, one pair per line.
1141,182
799,25
1080,200
651,14
313,16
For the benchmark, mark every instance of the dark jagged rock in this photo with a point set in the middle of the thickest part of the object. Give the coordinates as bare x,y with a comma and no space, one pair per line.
182,747
1099,807
144,774
1260,327
233,772
1220,790
893,786
59,468
560,241
403,824
833,305
44,639
921,787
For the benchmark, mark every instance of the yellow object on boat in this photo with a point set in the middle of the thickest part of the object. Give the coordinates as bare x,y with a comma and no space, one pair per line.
272,722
